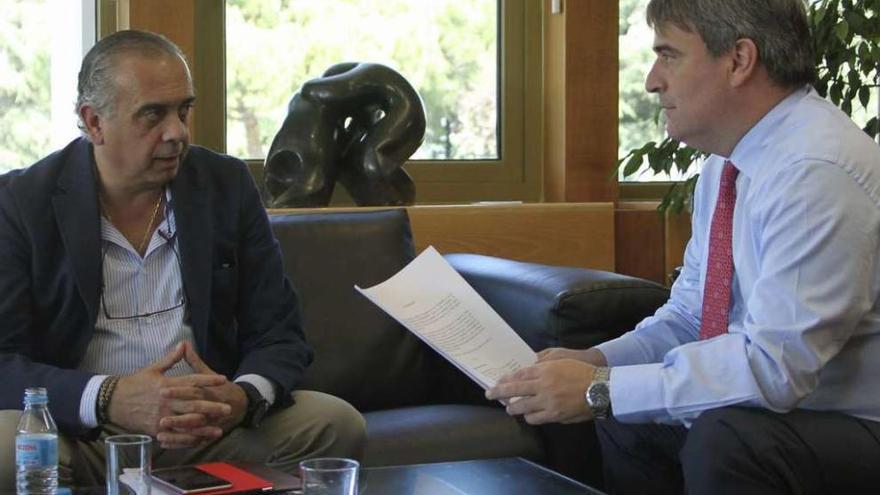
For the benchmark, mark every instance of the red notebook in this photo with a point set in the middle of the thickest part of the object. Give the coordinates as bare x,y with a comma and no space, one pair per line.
242,481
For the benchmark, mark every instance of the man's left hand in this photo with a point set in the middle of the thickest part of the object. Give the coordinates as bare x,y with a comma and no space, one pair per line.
547,392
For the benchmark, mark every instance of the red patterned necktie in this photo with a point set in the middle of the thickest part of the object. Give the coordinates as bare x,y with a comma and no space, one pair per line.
719,269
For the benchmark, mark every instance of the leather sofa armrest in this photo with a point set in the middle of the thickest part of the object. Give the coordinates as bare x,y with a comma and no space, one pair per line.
555,306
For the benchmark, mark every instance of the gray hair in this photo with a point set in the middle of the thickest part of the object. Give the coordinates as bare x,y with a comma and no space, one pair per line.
779,28
95,86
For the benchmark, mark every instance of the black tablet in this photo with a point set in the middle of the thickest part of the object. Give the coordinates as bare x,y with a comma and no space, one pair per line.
189,479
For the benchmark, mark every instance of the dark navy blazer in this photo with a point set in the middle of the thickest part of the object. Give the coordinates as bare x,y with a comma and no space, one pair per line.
243,311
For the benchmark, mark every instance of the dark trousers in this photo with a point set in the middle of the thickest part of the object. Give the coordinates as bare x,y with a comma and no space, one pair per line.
740,450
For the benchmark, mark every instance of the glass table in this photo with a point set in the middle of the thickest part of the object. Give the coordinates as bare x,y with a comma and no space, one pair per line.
475,477
512,475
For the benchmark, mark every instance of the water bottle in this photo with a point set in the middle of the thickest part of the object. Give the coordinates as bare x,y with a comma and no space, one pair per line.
36,446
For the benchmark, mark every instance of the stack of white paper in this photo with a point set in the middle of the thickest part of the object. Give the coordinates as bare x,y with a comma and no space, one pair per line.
434,302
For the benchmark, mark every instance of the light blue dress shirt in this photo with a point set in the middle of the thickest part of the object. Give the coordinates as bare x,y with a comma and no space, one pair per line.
804,326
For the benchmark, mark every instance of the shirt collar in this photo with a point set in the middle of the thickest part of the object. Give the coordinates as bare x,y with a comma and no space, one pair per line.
747,150
110,233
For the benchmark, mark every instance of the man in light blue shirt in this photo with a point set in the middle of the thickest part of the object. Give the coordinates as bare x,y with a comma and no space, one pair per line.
785,400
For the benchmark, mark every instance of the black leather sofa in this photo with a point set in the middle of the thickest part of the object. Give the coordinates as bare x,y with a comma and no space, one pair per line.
418,407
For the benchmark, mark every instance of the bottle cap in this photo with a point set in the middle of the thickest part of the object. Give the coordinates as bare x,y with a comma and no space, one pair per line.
35,395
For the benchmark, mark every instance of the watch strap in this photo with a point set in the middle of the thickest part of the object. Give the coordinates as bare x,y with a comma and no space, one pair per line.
602,374
257,405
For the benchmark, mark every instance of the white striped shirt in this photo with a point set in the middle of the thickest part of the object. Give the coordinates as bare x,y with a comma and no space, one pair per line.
124,342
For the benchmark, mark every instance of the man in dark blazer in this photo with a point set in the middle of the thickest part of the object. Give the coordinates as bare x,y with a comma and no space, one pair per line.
143,288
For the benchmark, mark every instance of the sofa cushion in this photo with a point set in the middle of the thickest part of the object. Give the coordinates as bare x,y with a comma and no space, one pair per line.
416,435
558,306
361,354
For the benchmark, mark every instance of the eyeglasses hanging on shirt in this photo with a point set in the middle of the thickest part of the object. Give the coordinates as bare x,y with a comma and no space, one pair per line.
121,312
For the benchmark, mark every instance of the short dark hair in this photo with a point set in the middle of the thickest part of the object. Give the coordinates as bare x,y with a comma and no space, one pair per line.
779,28
95,86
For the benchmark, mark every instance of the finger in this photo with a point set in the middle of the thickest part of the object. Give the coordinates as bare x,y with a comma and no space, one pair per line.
523,405
208,408
167,361
183,421
527,373
207,432
512,389
184,393
519,375
192,357
194,380
505,379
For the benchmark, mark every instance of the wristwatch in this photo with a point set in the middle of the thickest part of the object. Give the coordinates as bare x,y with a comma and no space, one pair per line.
257,405
599,393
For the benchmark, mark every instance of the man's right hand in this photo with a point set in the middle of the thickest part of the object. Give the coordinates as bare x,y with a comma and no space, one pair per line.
137,404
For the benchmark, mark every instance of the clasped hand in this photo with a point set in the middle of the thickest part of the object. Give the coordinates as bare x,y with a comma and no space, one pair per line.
181,411
550,391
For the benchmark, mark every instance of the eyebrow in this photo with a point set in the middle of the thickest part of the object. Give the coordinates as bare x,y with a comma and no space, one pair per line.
146,107
664,48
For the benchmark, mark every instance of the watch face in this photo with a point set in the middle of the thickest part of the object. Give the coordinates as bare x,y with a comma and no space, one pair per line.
598,397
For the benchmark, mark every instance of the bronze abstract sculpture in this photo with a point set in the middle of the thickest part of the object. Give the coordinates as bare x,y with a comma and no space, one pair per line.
356,124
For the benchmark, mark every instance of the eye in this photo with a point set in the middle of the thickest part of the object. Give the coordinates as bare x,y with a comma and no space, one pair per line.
152,117
183,112
668,56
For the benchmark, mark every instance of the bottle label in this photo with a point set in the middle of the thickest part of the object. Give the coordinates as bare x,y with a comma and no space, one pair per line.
36,451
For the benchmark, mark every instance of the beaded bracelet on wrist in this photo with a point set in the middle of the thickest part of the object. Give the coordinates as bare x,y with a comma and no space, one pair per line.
105,393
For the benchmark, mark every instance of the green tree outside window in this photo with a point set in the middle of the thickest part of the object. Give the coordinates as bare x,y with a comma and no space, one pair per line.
447,49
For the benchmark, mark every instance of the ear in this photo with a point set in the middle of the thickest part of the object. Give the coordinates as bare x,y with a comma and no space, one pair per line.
744,58
93,124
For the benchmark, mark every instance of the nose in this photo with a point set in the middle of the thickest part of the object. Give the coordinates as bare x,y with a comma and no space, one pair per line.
176,129
653,81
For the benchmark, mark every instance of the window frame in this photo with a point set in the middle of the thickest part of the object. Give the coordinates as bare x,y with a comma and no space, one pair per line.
514,176
525,180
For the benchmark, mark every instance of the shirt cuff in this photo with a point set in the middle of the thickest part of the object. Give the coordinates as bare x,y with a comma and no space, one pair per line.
637,393
88,403
266,388
616,351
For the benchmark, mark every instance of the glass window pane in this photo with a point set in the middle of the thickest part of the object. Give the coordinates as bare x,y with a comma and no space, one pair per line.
447,49
40,51
640,120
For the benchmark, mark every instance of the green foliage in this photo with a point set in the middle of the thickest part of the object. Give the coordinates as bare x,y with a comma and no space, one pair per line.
846,34
638,113
24,84
447,49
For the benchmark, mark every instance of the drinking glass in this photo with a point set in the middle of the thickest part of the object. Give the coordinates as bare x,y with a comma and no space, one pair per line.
128,464
329,476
